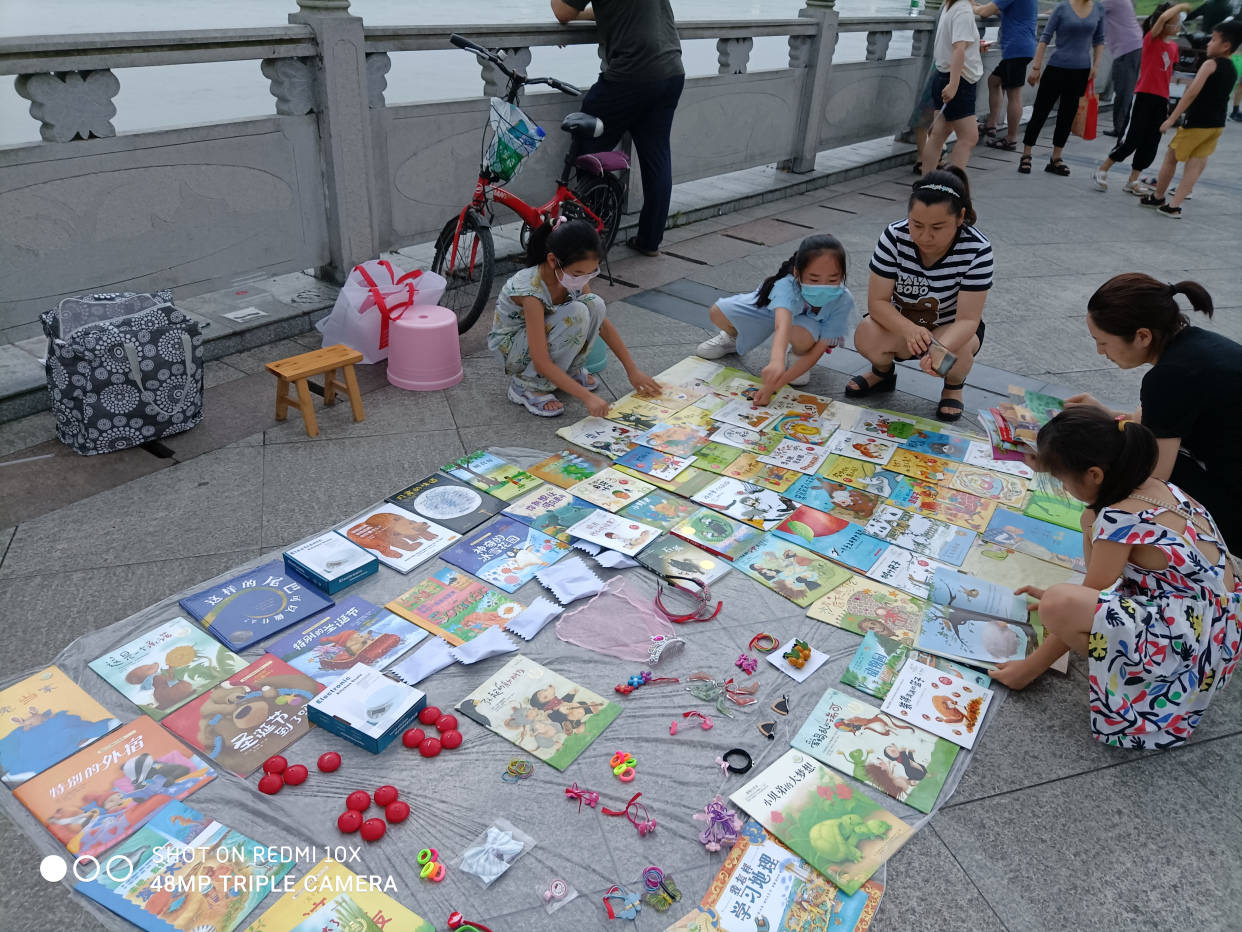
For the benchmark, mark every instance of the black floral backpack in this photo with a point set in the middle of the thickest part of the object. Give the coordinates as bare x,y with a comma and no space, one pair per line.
122,370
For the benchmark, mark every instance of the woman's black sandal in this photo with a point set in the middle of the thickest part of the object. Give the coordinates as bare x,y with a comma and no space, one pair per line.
954,406
1024,165
858,387
1057,167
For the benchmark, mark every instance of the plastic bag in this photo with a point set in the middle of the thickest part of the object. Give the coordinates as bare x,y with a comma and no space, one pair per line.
513,137
375,294
494,851
1088,113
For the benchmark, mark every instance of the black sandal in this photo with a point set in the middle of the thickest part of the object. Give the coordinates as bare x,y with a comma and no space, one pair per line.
1057,167
954,406
1024,165
859,387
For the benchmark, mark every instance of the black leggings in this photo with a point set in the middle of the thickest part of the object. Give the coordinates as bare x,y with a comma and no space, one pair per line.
1063,87
1143,136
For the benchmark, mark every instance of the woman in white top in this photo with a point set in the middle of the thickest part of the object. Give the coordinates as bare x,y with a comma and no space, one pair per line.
959,66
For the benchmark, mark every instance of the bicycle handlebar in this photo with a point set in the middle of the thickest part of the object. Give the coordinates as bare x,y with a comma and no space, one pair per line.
466,45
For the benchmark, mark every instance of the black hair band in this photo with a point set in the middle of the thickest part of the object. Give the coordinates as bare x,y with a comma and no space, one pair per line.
737,768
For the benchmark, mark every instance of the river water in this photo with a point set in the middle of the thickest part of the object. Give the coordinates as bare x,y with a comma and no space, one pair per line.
177,95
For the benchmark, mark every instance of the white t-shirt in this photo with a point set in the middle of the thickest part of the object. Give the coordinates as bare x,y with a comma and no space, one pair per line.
957,24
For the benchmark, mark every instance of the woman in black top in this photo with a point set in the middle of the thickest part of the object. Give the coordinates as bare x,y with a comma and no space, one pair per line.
1189,398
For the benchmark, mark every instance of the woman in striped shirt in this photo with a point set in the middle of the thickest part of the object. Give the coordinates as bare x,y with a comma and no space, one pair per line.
930,276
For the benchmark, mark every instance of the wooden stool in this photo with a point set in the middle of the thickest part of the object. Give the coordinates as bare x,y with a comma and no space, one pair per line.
328,362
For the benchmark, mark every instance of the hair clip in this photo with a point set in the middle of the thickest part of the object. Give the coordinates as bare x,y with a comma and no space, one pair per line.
723,824
458,923
767,729
746,664
556,890
705,720
723,765
660,644
938,187
629,903
589,797
643,679
781,706
741,695
763,643
703,598
798,655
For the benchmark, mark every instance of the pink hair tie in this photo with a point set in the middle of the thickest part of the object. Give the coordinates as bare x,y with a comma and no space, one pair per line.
589,797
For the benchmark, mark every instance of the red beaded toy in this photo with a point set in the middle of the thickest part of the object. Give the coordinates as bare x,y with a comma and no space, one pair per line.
385,794
349,821
296,774
275,764
373,829
358,800
271,783
430,715
430,747
328,761
451,739
413,737
398,811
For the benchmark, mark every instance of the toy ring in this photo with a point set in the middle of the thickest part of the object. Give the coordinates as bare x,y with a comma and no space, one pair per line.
520,767
764,643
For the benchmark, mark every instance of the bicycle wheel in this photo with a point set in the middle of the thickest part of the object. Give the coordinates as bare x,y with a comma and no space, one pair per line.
604,197
467,260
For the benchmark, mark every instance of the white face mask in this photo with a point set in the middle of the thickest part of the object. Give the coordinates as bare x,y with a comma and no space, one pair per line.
574,283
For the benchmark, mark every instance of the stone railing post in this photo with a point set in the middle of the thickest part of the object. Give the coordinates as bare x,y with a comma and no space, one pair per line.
733,55
877,45
342,95
495,84
71,104
815,55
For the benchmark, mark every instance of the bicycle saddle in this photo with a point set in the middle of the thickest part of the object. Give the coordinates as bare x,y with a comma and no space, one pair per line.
583,126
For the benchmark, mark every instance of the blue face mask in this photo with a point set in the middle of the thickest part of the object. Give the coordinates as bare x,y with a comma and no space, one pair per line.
819,295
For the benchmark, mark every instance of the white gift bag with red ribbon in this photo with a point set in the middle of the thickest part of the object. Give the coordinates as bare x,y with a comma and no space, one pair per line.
375,294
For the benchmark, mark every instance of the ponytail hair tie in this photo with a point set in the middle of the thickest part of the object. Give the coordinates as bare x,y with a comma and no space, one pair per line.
1122,421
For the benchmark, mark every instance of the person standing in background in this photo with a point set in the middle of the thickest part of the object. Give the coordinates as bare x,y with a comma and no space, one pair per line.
1017,42
637,93
959,66
1124,39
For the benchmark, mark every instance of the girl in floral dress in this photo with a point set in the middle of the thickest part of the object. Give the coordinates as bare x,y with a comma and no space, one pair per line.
1159,614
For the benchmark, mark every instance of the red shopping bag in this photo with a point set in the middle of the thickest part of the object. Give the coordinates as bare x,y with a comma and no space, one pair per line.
1088,113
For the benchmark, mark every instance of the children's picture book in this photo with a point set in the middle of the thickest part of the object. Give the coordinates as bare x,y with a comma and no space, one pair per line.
905,570
835,499
856,738
166,667
938,501
506,553
859,475
741,413
43,719
1013,570
249,717
1000,487
945,446
953,589
105,792
980,454
861,447
566,468
341,911
885,426
549,509
318,888
692,371
676,397
599,436
919,533
611,490
921,466
790,400
831,537
749,441
838,831
1037,538
354,631
1050,502
697,415
718,533
543,713
674,558
654,463
944,705
800,457
453,606
758,507
448,502
187,872
804,428
715,457
973,638
255,605
639,413
401,539
749,468
489,473
730,380
873,668
790,571
765,885
614,532
688,482
863,606
660,509
678,440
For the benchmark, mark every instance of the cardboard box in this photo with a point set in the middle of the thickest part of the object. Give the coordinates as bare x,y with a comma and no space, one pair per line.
331,562
367,708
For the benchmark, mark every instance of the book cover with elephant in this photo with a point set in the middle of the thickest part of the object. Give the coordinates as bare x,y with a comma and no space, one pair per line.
401,539
166,667
942,704
249,717
858,739
840,832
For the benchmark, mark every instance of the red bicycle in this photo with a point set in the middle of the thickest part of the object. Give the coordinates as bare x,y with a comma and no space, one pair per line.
588,188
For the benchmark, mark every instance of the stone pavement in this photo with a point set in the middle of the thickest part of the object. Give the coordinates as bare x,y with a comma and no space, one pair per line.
1048,830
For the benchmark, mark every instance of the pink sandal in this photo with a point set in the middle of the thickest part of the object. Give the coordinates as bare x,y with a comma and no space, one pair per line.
535,404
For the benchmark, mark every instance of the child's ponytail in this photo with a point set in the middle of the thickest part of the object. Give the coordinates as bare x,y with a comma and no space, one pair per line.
569,240
1085,436
765,290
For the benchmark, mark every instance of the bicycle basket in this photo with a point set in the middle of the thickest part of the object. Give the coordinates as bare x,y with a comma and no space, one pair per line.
511,137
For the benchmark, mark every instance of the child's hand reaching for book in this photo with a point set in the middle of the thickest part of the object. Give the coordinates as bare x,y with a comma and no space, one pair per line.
1016,674
597,406
1034,592
643,383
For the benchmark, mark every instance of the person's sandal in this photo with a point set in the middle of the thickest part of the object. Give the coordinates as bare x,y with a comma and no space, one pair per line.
1024,165
1057,167
859,387
1000,142
586,380
535,404
953,405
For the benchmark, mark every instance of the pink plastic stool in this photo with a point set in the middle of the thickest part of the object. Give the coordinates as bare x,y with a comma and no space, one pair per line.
423,350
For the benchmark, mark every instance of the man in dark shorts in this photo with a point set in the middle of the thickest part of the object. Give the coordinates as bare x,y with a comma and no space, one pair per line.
637,92
1017,42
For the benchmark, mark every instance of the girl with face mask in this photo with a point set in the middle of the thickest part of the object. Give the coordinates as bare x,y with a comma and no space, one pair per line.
805,308
547,320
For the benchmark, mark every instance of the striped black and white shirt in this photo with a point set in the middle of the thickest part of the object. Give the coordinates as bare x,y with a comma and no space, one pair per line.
922,291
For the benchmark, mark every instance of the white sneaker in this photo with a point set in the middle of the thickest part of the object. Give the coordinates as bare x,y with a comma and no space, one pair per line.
1137,188
801,380
720,345
1100,178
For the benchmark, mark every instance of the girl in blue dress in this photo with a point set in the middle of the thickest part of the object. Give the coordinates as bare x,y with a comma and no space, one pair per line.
805,308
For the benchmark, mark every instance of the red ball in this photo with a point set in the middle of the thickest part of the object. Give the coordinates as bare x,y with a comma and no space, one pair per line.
373,829
398,811
385,794
451,739
413,738
275,764
296,774
446,723
349,821
270,783
429,715
358,800
328,761
430,747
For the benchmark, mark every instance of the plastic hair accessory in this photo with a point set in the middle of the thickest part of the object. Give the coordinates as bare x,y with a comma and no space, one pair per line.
457,922
662,892
703,609
704,687
633,811
660,644
737,768
798,655
763,643
556,890
589,797
723,824
746,664
628,905
643,679
491,859
519,769
705,721
768,730
781,706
